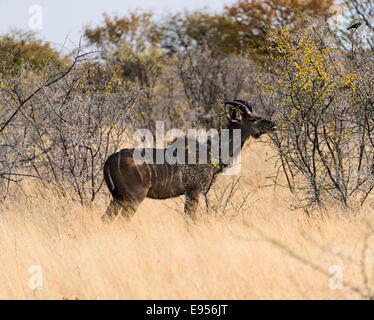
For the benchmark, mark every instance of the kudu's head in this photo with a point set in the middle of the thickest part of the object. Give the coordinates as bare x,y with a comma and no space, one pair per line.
240,116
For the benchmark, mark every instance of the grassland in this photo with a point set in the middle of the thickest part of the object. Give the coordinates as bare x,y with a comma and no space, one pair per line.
266,251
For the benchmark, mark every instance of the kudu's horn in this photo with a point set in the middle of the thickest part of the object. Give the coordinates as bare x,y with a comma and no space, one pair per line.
235,104
245,103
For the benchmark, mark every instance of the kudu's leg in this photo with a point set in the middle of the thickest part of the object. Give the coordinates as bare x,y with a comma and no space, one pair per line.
128,209
191,203
112,210
126,206
132,199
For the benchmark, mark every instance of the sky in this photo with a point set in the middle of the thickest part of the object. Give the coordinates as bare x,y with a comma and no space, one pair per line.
61,22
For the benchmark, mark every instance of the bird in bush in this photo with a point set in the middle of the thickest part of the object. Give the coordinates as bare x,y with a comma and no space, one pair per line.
355,25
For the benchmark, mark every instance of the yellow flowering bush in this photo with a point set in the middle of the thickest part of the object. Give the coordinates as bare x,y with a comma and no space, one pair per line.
314,93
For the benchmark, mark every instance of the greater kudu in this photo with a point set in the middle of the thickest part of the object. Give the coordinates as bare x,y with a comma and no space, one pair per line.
130,183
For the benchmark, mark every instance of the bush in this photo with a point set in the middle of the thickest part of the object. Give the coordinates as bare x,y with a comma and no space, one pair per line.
323,107
65,131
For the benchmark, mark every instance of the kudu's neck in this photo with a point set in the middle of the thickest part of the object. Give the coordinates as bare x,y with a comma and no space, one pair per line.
231,141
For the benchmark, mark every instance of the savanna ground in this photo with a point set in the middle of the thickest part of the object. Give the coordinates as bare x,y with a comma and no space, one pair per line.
266,251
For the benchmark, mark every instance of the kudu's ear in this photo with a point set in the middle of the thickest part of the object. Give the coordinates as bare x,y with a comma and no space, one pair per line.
233,112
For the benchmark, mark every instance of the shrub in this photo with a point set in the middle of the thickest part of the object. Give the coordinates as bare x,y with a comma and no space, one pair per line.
324,111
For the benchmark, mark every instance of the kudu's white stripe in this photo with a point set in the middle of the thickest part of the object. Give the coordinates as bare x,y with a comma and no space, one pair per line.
180,177
166,173
149,171
140,173
119,159
155,171
112,186
172,174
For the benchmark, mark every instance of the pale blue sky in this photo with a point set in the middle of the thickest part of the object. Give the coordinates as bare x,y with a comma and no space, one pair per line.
66,18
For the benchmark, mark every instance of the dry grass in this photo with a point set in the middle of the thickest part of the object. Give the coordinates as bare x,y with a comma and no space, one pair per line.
266,252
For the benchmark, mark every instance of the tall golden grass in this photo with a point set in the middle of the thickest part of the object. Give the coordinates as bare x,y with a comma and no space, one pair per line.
267,251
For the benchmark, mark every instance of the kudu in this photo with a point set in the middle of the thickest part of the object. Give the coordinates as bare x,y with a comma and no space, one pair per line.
130,183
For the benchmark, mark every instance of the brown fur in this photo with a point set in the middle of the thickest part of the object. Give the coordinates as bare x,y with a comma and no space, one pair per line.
130,183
